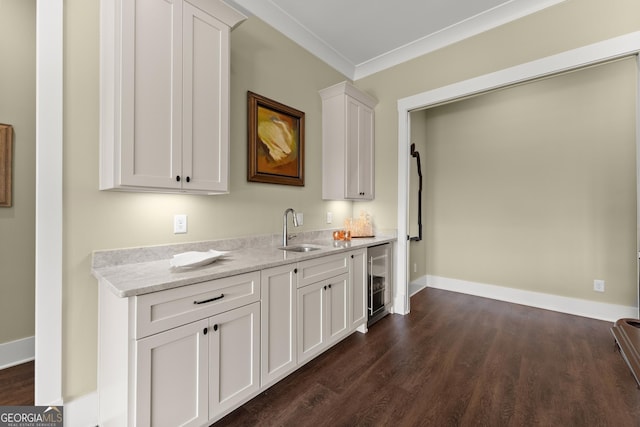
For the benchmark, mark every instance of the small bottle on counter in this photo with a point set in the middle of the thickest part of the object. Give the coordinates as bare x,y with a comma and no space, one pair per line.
342,235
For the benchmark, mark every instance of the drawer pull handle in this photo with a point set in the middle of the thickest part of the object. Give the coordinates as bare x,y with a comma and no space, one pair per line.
209,300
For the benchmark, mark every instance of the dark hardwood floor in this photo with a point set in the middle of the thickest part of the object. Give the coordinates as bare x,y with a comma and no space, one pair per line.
456,360
16,385
459,360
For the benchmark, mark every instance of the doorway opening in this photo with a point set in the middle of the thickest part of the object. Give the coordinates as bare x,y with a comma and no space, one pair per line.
576,59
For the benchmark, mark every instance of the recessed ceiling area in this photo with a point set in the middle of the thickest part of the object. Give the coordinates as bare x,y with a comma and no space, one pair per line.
361,37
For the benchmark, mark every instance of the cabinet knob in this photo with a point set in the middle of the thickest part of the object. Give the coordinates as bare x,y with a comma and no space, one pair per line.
215,327
188,179
325,288
178,178
205,330
329,286
295,271
351,256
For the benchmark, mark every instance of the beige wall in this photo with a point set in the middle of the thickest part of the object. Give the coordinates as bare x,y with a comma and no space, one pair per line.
534,187
265,62
17,223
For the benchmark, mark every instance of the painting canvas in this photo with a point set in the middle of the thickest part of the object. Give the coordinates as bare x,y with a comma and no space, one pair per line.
275,142
6,160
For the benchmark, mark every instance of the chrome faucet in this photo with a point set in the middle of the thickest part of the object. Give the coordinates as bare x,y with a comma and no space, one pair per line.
285,235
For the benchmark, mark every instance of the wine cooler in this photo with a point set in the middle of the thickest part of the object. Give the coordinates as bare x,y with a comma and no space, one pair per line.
379,282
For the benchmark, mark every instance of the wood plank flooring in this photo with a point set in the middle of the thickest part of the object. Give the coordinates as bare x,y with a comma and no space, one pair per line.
16,385
456,360
459,360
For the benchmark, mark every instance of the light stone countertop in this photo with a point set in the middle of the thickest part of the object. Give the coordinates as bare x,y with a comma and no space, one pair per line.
138,271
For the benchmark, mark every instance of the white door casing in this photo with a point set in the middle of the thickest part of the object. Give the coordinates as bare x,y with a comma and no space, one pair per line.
603,51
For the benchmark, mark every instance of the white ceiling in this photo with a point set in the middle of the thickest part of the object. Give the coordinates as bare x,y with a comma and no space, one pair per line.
361,37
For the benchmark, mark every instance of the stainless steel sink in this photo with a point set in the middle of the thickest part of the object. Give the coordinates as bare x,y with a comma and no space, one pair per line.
303,247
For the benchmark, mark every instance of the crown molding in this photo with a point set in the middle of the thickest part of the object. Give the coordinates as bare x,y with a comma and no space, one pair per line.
473,26
279,19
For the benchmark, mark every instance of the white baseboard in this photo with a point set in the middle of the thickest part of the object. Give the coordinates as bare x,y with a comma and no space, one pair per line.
575,306
16,352
417,285
420,281
82,412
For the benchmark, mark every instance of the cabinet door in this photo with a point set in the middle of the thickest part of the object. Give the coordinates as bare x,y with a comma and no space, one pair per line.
205,126
323,315
151,93
278,323
359,150
311,320
366,179
234,352
171,377
337,294
358,283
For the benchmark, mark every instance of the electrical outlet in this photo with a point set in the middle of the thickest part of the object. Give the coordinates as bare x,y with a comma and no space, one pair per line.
329,217
415,267
179,224
598,285
300,218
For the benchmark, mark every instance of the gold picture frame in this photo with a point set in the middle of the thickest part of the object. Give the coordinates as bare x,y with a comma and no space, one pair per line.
6,161
275,142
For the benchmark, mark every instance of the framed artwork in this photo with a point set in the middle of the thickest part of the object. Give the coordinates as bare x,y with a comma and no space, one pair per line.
6,160
275,142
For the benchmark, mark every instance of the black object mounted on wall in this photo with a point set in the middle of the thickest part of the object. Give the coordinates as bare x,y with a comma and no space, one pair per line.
415,154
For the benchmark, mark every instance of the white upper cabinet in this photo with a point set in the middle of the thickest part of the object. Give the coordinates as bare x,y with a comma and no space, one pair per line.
347,143
164,95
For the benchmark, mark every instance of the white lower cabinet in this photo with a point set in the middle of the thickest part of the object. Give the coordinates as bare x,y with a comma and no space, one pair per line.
358,280
311,320
170,388
234,355
189,355
278,322
323,313
191,374
338,308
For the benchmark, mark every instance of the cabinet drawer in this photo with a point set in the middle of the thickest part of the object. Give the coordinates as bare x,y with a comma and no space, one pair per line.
317,269
163,310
